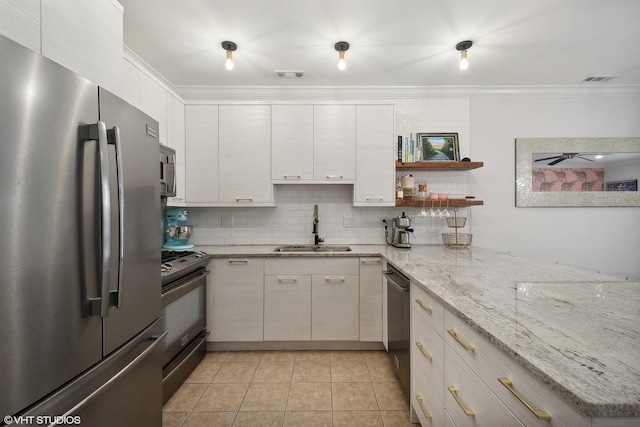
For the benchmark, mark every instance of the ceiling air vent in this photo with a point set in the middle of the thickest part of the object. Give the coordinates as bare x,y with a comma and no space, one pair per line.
599,78
289,74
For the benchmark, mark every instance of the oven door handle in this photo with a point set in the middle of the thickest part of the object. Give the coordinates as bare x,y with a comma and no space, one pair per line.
183,287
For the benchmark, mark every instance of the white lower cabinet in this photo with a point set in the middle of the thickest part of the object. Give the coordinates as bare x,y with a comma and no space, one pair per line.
335,307
237,292
287,307
319,299
371,299
468,400
424,400
506,379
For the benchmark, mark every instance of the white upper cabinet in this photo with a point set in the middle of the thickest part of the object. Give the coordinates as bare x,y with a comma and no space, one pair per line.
201,177
176,140
334,148
245,150
375,168
86,38
292,143
20,21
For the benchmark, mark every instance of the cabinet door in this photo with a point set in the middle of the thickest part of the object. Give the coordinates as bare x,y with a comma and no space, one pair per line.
176,140
238,296
287,307
375,166
334,145
245,150
201,171
371,299
334,307
292,142
87,39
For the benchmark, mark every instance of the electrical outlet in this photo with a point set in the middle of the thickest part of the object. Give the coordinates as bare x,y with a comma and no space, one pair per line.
348,222
227,222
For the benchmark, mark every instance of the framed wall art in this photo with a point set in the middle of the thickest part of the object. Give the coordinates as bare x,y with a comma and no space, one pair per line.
439,146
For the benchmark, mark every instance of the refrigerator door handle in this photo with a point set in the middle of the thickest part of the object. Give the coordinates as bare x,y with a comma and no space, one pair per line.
157,339
113,136
99,306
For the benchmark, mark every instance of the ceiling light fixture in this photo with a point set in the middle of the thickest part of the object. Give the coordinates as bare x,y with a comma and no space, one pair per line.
229,47
463,47
342,47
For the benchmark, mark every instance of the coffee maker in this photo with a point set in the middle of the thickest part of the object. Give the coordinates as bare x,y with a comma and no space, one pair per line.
400,230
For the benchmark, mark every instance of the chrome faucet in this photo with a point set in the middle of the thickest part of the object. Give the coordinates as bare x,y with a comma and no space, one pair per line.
316,240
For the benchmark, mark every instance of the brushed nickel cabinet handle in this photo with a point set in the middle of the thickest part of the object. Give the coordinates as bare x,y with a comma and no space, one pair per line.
238,261
426,355
541,415
425,308
466,346
424,412
371,261
334,176
292,176
287,279
375,199
244,199
454,393
334,279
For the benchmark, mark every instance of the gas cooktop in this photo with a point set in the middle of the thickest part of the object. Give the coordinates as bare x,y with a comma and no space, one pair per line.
177,264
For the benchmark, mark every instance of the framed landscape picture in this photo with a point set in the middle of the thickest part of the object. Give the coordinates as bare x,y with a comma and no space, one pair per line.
628,185
439,146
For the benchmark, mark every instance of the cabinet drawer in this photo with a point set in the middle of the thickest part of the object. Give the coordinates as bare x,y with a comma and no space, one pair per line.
468,400
424,401
497,370
430,309
427,352
309,265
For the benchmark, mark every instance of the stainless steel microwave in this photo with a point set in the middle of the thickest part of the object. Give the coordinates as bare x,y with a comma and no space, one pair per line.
167,171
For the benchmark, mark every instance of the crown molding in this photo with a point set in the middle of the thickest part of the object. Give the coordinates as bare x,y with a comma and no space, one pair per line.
299,93
569,91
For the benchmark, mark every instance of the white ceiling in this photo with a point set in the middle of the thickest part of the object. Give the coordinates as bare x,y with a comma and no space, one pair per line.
393,42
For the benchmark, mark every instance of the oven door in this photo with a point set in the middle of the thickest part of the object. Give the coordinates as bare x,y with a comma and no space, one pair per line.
183,312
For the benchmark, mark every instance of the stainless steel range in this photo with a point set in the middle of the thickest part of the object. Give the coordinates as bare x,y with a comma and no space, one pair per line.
183,315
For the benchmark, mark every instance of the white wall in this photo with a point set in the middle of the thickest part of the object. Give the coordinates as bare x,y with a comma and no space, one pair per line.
598,238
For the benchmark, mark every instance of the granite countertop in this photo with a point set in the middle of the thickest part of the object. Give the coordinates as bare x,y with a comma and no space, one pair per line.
577,331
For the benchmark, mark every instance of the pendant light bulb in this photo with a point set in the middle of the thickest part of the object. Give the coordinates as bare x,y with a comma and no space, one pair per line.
463,47
229,47
464,63
341,47
229,62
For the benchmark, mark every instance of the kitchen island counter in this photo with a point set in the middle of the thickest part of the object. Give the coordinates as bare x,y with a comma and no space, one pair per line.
575,330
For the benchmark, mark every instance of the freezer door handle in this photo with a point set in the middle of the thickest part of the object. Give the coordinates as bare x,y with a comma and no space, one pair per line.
157,339
98,132
113,137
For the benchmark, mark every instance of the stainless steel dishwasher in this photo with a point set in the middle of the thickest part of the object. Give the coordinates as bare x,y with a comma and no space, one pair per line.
398,306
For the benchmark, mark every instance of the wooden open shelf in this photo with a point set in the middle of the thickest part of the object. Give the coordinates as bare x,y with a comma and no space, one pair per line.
440,166
436,203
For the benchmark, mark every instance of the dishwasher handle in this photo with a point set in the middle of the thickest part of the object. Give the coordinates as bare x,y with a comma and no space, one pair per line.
399,286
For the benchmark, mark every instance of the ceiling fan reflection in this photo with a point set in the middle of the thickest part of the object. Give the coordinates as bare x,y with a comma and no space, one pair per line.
563,157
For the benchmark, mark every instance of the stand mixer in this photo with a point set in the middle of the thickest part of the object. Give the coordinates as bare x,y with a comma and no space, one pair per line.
176,235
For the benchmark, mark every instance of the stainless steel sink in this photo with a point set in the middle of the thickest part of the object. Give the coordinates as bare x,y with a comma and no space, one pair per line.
312,248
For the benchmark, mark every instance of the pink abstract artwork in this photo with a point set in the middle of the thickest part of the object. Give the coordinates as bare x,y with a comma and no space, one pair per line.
568,179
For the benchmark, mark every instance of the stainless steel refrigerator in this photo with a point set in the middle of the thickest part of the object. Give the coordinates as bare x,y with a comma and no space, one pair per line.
80,292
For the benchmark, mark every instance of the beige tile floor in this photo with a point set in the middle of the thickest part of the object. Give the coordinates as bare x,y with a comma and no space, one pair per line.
290,389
